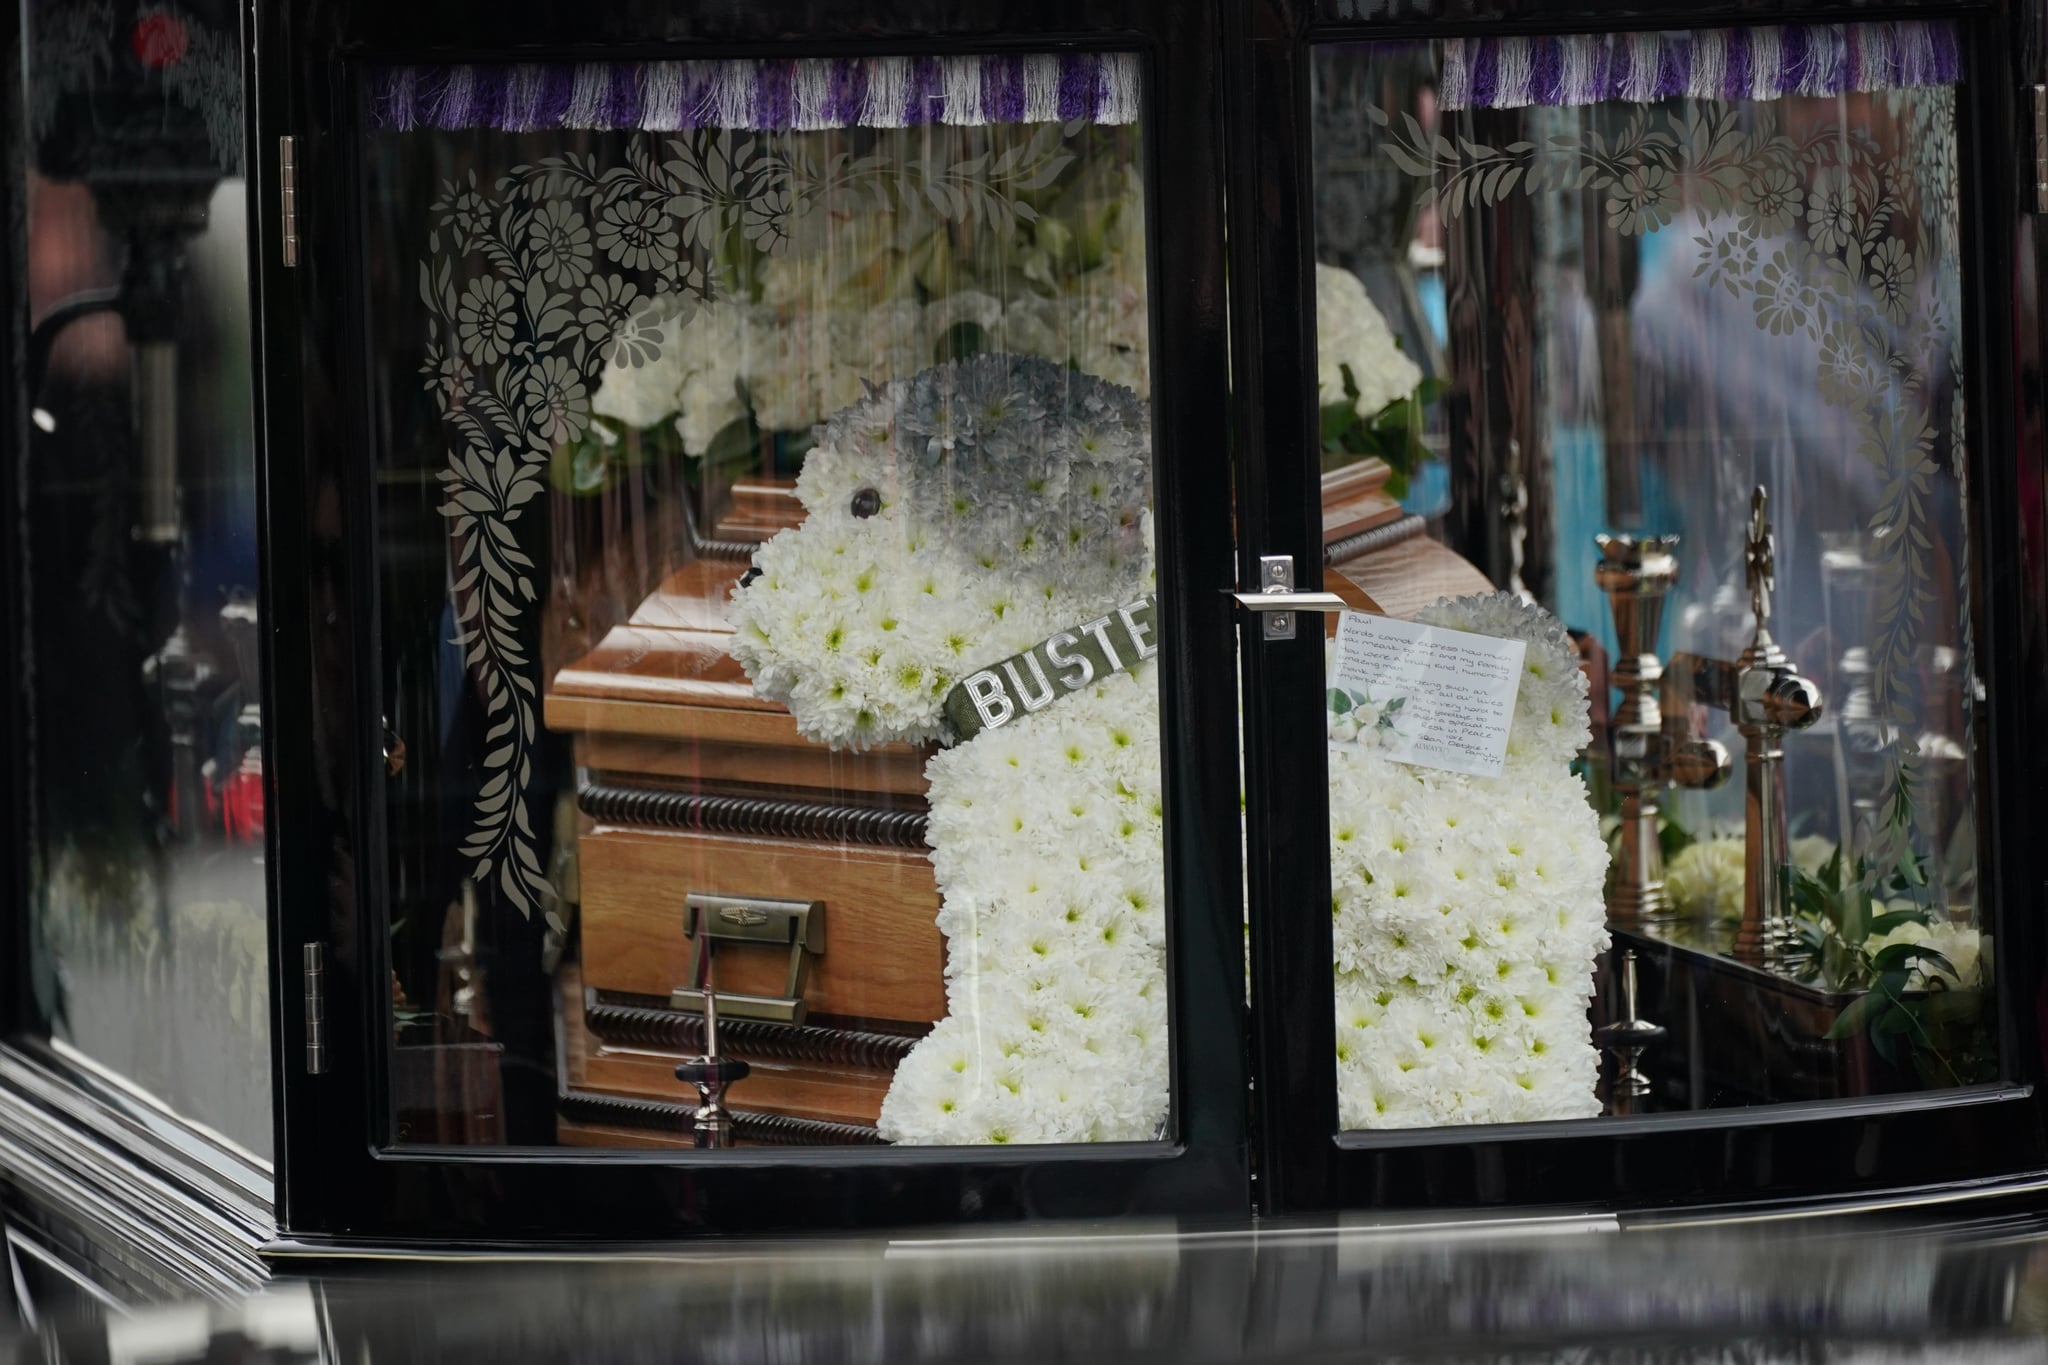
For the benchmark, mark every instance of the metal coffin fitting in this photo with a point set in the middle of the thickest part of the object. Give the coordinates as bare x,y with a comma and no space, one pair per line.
796,925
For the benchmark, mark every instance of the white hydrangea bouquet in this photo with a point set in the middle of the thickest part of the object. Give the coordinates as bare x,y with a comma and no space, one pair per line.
886,292
959,517
1372,393
782,363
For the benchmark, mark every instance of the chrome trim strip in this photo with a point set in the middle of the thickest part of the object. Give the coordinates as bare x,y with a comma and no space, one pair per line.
1892,1203
184,1210
20,1243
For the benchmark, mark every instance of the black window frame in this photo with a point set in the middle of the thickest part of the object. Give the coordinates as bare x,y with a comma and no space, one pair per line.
1230,77
320,586
1915,1146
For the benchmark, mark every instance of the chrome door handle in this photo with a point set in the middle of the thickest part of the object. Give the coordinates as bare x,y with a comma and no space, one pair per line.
1290,601
1277,602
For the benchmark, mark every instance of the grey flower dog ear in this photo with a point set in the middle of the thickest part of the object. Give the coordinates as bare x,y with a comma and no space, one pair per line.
862,623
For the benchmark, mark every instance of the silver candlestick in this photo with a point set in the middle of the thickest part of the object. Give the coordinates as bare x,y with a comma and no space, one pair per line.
1765,696
710,1121
1626,1038
1647,750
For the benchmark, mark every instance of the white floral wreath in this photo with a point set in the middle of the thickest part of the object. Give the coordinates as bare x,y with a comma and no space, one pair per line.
961,516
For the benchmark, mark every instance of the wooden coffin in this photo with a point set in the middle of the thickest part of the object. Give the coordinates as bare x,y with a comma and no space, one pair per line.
692,784
809,1085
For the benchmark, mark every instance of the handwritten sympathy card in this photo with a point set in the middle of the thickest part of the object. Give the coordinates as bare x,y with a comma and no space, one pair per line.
1424,694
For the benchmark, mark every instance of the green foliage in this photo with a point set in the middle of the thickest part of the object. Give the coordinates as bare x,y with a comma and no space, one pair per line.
1837,914
1393,434
1940,1030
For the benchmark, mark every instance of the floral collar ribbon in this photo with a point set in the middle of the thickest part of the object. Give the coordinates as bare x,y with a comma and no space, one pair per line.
1065,661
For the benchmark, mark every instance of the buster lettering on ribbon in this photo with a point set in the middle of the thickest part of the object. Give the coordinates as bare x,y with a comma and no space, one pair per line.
1083,668
1138,630
991,703
1099,629
1032,701
1059,665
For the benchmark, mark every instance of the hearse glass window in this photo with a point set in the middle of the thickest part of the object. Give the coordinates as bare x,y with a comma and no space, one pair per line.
140,760
1648,347
763,490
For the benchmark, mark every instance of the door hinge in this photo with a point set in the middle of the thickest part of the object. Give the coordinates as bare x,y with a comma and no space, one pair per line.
2040,93
316,1008
288,192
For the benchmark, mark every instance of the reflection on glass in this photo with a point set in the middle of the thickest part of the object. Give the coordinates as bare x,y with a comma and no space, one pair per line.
1699,300
764,475
146,786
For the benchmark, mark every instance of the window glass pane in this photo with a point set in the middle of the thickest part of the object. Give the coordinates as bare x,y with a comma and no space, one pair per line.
736,422
149,933
1697,294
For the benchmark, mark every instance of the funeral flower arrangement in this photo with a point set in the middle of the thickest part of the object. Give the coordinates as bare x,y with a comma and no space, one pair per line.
1372,393
1468,911
953,518
783,370
1922,978
813,339
886,292
1704,876
1045,837
785,364
956,518
959,517
1357,357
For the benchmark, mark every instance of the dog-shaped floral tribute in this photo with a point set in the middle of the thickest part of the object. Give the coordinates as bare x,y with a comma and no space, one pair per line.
960,517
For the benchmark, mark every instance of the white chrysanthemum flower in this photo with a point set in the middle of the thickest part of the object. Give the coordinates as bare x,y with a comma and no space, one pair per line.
1065,933
943,514
1468,911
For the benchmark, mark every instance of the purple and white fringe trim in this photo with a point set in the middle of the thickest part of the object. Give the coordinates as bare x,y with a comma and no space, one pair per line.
1715,64
869,92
